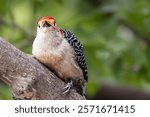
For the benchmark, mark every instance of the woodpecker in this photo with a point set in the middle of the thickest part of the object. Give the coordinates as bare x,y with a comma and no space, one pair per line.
61,52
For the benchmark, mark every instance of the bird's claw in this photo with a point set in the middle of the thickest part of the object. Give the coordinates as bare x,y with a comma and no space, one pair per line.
67,88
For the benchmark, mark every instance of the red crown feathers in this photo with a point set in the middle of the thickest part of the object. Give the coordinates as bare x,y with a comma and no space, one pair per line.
45,18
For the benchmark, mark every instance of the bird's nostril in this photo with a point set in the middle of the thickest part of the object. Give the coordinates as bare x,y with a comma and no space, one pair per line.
46,24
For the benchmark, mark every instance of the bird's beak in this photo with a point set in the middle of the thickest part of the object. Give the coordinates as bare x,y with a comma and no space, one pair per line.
46,24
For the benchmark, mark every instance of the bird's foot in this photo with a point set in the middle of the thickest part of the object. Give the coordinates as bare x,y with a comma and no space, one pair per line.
67,88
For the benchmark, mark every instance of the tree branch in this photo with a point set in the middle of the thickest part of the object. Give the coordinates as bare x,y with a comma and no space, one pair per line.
120,92
29,79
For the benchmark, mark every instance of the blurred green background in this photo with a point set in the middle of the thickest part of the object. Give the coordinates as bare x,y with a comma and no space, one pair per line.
115,35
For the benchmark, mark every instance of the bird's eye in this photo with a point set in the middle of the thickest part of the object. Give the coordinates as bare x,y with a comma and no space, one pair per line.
39,26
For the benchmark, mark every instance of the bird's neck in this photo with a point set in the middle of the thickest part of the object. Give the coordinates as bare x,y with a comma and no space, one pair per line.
51,39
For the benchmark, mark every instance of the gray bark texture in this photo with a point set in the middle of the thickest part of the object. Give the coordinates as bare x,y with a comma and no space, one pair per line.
28,78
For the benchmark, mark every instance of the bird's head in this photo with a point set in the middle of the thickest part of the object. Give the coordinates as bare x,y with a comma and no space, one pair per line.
47,24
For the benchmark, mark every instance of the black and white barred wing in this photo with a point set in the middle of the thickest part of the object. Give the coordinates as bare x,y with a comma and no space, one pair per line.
78,48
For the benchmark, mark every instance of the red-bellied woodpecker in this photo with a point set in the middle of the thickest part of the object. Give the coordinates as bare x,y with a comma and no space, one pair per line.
60,51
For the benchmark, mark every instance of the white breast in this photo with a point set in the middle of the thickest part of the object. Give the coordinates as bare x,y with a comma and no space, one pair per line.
57,54
50,44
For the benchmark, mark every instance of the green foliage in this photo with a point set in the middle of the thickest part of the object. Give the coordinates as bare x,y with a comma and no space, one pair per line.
115,35
4,92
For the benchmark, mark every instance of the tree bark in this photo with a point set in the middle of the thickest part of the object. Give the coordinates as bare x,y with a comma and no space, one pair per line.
28,78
